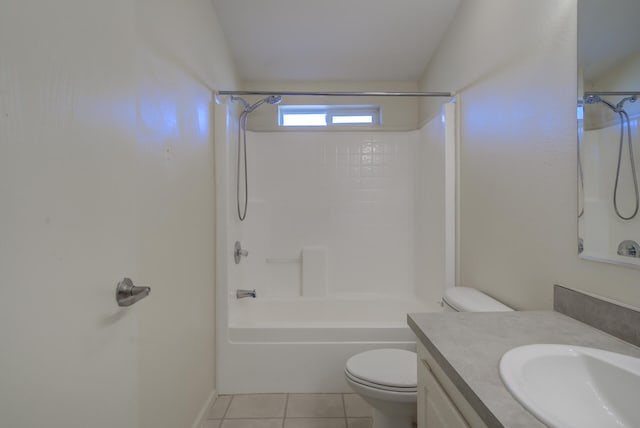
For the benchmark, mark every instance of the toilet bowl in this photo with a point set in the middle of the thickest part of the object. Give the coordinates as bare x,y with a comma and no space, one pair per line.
387,379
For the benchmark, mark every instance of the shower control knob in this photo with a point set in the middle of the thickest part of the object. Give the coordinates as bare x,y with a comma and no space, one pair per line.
239,252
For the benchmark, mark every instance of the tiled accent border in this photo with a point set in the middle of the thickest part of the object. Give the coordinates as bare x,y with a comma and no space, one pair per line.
609,316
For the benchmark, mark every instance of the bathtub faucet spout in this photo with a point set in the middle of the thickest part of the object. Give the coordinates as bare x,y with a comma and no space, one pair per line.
245,293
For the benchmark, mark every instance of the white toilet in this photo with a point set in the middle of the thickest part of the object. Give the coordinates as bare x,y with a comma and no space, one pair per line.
387,378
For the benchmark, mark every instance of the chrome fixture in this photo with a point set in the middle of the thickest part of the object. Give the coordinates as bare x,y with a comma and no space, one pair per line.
239,252
248,108
338,94
241,294
629,248
127,294
593,98
242,144
580,245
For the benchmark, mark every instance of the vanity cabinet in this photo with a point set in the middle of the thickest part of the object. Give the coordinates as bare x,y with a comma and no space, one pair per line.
440,404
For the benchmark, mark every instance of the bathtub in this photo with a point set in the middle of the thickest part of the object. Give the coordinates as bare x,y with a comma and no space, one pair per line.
302,344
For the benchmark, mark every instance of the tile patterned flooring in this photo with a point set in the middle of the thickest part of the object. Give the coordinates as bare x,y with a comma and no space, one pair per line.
289,411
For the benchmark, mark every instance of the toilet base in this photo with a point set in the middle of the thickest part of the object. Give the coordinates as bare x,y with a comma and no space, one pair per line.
383,420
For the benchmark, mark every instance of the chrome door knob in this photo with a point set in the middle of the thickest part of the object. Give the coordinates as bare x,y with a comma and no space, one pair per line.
127,294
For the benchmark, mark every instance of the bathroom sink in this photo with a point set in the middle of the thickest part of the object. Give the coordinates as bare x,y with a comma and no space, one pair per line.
574,387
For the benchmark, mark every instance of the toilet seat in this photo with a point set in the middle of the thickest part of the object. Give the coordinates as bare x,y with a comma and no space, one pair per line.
380,387
392,370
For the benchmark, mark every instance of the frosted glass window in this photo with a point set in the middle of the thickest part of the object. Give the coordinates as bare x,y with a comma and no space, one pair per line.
354,119
328,115
302,119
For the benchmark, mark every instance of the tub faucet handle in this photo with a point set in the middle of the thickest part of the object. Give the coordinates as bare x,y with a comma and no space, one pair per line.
240,294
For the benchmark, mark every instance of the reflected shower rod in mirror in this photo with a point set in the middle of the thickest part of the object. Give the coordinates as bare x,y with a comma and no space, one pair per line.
340,94
611,93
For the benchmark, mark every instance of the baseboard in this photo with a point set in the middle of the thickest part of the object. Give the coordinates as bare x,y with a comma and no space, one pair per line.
204,412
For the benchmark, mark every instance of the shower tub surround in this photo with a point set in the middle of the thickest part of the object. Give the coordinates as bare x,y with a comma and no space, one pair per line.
339,252
329,213
600,228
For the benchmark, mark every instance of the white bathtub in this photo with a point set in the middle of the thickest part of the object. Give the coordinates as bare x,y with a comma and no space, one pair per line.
301,345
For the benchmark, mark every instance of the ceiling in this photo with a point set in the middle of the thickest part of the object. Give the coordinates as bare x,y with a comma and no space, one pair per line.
333,40
608,34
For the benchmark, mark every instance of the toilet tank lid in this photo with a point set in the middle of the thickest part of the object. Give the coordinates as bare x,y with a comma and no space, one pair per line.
467,299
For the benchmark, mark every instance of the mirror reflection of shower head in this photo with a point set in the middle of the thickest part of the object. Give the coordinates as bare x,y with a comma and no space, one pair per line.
620,105
618,108
594,99
591,99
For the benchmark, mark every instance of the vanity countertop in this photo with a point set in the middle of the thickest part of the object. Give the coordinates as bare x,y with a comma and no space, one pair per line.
468,347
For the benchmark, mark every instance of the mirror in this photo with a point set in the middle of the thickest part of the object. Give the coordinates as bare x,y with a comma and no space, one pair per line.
608,139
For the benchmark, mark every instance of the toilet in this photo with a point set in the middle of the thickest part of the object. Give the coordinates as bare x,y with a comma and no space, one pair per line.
467,299
387,378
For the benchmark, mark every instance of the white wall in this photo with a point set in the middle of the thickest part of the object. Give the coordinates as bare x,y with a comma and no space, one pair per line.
181,57
107,171
514,65
349,192
434,187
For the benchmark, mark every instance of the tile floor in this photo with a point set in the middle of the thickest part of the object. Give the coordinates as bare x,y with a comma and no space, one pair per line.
289,411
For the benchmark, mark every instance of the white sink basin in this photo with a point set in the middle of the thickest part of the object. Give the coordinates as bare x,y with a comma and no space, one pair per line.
574,387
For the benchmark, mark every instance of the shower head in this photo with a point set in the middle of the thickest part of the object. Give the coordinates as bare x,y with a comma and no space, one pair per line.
277,99
271,99
248,108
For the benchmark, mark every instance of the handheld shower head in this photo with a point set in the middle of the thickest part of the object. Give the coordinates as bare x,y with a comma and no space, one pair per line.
248,108
620,105
277,99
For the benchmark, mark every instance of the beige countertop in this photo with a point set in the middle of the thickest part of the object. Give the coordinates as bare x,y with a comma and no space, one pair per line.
468,346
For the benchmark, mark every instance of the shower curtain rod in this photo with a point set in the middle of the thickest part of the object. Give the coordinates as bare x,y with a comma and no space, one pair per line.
612,93
340,94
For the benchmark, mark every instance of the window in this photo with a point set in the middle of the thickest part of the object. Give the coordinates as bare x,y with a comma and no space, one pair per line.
326,116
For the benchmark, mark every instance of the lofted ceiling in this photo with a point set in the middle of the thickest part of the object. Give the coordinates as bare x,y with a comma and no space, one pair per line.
333,40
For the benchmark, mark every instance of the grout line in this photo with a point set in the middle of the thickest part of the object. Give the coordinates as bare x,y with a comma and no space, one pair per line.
224,415
286,408
250,419
344,409
307,417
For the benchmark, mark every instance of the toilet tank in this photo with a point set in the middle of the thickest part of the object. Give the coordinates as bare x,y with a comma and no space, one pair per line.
467,299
